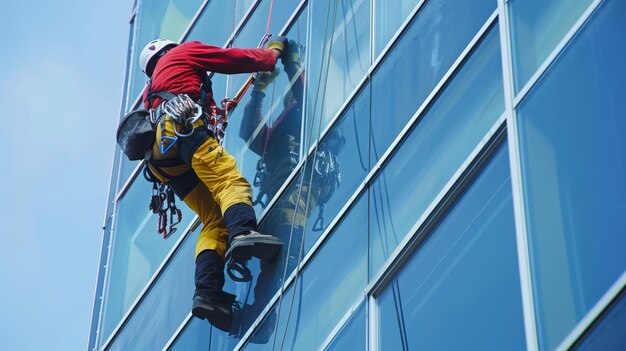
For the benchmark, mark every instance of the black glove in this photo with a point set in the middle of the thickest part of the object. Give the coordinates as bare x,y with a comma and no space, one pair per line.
277,42
291,53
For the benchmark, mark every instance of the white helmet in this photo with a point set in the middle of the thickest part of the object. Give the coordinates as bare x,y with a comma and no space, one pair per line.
153,49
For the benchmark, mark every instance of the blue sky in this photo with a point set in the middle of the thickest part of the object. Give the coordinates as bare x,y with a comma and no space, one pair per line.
61,75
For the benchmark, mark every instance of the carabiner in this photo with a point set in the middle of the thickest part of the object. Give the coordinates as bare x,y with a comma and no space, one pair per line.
194,119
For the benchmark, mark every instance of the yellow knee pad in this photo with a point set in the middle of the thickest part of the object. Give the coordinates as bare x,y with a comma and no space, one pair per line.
212,239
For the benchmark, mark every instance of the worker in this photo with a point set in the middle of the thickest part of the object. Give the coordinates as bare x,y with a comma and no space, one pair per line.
200,171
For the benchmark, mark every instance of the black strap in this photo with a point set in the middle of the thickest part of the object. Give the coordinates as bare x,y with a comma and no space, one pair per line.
238,271
205,89
165,95
182,184
168,162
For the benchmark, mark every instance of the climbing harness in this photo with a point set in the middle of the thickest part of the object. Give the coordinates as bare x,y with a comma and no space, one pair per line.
163,203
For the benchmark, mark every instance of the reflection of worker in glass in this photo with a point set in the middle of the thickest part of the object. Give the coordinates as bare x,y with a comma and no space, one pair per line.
196,165
278,144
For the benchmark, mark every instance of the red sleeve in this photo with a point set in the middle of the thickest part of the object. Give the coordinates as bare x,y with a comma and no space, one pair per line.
229,61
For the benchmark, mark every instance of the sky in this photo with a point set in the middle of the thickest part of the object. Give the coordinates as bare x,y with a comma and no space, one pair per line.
61,75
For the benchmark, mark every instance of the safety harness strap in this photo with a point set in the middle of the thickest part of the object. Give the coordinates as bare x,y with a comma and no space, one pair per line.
182,184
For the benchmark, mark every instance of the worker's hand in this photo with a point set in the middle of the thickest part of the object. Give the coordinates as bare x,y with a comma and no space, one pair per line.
291,53
264,79
277,43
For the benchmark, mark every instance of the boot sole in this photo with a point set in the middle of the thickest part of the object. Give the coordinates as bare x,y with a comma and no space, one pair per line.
213,316
263,249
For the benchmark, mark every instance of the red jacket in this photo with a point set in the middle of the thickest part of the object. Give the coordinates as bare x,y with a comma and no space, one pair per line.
180,70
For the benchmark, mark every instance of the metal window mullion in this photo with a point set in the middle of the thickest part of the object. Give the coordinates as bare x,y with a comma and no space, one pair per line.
246,17
130,180
99,294
110,204
396,37
107,265
556,52
372,323
372,30
402,251
178,332
292,19
193,21
104,252
523,254
343,321
107,274
592,316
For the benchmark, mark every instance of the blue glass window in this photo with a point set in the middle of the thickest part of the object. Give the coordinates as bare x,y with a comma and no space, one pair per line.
572,129
195,336
254,29
389,16
324,292
136,253
433,151
158,19
241,8
340,165
462,284
537,26
608,332
200,335
433,41
338,63
353,335
208,30
164,306
126,169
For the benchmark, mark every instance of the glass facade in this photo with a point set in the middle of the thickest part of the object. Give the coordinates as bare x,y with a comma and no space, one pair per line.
424,199
574,169
452,286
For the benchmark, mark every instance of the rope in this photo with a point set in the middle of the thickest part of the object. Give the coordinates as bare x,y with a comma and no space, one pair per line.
269,17
302,180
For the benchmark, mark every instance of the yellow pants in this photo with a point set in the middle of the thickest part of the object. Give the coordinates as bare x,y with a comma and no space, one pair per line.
221,186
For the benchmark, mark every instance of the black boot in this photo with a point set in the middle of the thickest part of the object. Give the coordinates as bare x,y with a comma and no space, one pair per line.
210,301
217,309
245,241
